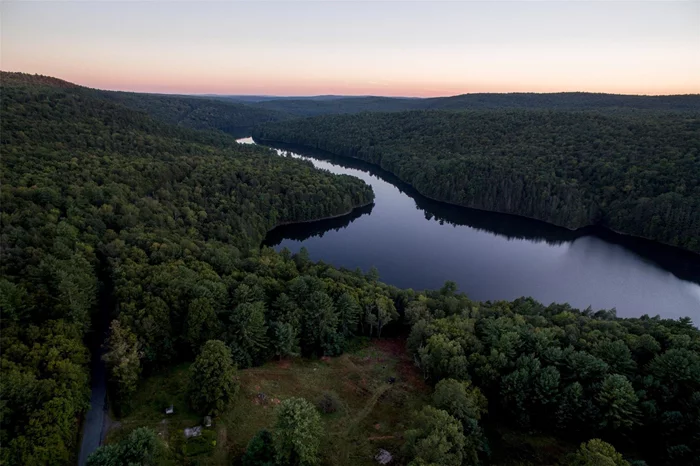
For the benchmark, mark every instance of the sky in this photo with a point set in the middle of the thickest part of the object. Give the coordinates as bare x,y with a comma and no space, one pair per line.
419,48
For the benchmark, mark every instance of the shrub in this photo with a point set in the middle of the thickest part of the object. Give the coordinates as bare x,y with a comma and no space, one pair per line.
329,403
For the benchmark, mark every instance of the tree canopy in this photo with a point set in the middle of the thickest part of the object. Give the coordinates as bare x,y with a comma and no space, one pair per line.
635,172
141,447
110,214
212,383
297,434
580,374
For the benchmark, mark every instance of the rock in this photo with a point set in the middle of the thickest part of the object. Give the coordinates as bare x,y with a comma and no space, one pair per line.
170,410
383,457
193,431
207,421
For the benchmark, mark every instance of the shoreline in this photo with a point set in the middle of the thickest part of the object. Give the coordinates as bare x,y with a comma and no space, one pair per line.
581,229
322,218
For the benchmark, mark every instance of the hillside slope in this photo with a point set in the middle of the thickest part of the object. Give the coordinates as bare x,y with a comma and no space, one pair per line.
636,172
186,111
562,101
95,195
197,112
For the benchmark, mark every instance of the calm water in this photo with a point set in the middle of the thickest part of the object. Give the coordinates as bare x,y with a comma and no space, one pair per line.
419,243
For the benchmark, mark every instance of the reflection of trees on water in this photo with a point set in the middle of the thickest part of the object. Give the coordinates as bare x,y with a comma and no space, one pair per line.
304,231
681,263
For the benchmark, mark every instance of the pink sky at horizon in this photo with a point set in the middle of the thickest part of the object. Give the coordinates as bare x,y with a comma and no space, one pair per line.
358,48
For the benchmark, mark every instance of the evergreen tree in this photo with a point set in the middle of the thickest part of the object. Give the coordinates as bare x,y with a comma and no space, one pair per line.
212,383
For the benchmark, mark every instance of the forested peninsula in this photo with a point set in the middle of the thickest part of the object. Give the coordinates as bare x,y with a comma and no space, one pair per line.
109,215
634,172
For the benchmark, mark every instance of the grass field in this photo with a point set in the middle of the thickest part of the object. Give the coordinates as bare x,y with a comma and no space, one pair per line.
373,414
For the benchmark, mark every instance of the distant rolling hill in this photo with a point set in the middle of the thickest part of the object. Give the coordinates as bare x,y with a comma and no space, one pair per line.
198,112
187,111
560,101
265,98
238,114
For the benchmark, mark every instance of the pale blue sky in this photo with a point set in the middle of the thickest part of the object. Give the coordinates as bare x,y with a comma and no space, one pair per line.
390,47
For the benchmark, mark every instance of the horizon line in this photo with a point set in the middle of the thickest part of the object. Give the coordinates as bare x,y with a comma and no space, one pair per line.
308,96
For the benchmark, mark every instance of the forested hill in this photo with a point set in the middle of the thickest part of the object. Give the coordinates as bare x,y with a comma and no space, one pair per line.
110,215
93,191
636,172
562,101
198,112
313,107
190,112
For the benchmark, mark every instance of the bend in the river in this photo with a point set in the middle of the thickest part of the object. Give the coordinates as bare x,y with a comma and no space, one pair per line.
420,243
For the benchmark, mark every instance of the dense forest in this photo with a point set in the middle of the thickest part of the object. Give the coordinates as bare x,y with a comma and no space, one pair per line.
633,172
576,375
633,382
95,193
186,111
197,112
563,101
110,214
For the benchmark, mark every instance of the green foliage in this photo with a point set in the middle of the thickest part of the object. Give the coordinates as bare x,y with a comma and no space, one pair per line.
617,402
200,445
562,100
637,172
202,324
440,357
170,221
195,112
260,451
43,388
436,439
349,313
163,215
597,453
297,434
318,334
141,448
283,339
329,403
616,355
555,369
467,404
247,333
212,382
122,357
459,399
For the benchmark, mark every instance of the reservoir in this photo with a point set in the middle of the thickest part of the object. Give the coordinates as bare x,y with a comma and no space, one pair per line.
419,243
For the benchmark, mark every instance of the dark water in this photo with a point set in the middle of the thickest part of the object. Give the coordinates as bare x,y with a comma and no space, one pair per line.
419,243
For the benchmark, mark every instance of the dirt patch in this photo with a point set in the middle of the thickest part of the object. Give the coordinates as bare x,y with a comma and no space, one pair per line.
284,364
221,437
381,437
408,372
395,347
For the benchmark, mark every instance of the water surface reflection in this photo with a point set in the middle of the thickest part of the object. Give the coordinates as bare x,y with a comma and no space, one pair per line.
420,243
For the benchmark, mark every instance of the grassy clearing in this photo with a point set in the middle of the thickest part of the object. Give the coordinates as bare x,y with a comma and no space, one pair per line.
373,412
